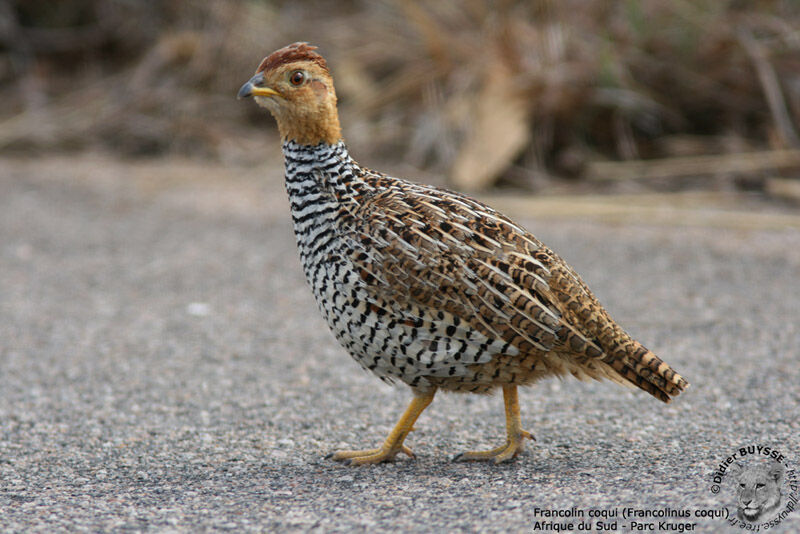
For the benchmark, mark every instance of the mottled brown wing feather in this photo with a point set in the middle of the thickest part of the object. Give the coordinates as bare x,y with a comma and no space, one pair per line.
444,251
439,252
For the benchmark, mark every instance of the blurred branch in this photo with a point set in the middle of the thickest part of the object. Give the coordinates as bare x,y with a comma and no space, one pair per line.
747,162
771,87
784,188
678,209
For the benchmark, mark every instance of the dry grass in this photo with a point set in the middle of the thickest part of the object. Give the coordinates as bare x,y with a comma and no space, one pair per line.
517,91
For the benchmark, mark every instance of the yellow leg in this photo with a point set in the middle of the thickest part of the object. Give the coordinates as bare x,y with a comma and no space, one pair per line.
515,436
394,441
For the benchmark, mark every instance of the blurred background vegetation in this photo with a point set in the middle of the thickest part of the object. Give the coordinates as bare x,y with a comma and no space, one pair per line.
511,93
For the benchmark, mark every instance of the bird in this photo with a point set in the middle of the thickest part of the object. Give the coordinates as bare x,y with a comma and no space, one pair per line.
430,287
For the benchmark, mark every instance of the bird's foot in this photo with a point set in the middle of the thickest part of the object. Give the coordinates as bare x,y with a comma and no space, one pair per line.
369,456
514,445
394,441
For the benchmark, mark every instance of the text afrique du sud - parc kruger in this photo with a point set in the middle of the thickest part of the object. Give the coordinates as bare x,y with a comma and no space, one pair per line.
613,519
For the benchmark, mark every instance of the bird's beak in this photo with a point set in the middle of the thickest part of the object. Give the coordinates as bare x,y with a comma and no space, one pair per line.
255,87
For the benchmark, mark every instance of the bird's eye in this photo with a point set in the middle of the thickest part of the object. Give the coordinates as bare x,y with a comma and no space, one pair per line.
297,77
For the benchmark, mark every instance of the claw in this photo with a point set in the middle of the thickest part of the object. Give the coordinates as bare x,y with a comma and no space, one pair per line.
500,454
393,443
515,440
368,456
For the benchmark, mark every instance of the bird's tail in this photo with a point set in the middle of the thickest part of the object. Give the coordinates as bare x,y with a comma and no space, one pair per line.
632,363
645,370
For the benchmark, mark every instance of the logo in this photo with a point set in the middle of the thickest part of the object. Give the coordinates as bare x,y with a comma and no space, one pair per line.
758,485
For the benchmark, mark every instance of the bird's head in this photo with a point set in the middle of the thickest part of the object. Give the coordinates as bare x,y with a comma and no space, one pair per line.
294,84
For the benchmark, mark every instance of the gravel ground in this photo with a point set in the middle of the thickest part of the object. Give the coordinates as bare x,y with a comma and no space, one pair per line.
163,368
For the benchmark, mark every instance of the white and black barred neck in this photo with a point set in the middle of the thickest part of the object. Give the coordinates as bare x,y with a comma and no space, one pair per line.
320,158
323,184
323,170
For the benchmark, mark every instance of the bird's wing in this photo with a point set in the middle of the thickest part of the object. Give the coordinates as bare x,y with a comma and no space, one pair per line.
441,258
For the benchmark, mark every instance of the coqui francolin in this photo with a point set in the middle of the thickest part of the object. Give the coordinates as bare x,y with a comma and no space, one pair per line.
429,287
